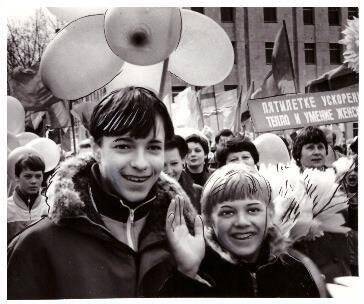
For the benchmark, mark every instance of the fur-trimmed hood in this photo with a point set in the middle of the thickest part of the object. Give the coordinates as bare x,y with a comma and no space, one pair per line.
68,192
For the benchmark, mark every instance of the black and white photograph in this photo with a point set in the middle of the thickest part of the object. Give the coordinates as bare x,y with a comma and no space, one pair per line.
175,151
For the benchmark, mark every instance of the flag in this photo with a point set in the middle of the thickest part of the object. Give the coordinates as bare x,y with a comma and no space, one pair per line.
218,109
59,116
26,85
280,79
186,110
242,111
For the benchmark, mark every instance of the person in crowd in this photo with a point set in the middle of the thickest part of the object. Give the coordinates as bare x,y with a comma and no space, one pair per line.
246,256
105,234
220,141
26,205
238,151
175,153
330,252
197,160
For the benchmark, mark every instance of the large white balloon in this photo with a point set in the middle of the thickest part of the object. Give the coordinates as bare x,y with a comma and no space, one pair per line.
26,137
49,151
15,115
78,60
143,35
272,150
204,55
14,156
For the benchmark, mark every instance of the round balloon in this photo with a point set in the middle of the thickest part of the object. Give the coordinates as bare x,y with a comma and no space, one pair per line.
204,55
272,150
143,35
26,137
16,115
49,151
78,60
13,142
14,156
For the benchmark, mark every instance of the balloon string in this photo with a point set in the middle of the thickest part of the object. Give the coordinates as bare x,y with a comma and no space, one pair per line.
163,78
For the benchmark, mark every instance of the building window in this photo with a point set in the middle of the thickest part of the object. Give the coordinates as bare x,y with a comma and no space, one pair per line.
308,16
334,16
229,87
353,12
176,90
198,10
270,14
227,14
355,129
335,53
310,53
268,52
233,43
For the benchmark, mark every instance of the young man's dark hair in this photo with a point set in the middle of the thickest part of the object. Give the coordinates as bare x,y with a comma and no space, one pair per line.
31,162
308,135
132,109
177,142
223,132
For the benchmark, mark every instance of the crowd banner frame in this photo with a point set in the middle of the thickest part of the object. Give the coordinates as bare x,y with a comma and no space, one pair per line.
295,111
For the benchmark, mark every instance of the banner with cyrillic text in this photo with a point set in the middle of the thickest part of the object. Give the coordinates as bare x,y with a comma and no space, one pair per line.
300,110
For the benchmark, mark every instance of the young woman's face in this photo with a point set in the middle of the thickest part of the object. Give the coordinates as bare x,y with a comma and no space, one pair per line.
196,155
313,155
241,157
240,227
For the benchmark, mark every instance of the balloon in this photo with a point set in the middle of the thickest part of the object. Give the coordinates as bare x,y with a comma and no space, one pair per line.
272,149
16,115
49,151
13,141
204,55
14,157
26,137
71,13
143,35
78,60
136,75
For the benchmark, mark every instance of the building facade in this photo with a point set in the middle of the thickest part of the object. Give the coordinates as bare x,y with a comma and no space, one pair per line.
313,33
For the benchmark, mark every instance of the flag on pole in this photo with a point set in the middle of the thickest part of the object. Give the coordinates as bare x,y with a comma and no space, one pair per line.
280,79
242,111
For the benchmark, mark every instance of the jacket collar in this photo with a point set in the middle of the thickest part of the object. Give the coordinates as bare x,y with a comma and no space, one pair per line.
26,202
69,197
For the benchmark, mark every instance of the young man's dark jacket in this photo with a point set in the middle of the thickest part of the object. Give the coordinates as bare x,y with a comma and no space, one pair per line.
72,254
193,190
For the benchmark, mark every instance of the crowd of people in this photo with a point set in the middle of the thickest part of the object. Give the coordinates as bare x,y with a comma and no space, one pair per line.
143,212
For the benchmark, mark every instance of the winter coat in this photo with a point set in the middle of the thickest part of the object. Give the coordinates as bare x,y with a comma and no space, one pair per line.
193,190
20,216
72,254
199,178
284,276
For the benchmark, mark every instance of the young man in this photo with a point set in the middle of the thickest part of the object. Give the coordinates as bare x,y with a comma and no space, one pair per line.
105,235
26,205
175,153
220,141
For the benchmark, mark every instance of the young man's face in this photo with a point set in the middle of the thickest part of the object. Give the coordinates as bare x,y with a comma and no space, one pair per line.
222,141
30,181
240,227
313,155
173,163
130,167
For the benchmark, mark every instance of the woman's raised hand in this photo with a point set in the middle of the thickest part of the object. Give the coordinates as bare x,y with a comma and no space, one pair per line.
188,249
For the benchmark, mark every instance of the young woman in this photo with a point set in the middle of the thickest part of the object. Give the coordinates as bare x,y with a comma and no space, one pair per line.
246,256
196,161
